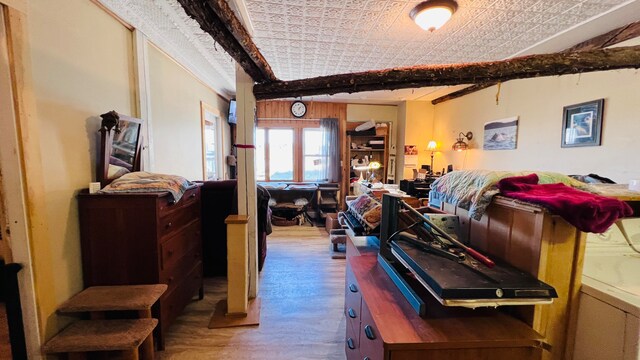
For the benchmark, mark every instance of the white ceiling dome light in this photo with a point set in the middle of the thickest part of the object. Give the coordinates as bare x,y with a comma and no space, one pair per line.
432,14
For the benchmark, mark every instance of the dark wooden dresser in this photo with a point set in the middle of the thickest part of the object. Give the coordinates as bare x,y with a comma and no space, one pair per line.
381,325
144,238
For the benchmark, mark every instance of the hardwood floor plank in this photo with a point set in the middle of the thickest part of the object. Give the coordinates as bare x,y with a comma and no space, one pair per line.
302,293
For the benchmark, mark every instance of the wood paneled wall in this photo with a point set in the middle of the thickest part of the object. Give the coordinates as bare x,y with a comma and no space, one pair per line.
279,113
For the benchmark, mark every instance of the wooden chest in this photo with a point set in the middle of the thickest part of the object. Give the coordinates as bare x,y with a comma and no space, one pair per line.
144,238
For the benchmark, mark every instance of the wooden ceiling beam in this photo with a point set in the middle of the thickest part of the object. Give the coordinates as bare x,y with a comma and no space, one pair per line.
218,20
438,75
610,38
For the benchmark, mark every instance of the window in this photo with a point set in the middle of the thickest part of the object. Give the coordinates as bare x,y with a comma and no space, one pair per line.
288,152
274,154
312,154
211,144
280,154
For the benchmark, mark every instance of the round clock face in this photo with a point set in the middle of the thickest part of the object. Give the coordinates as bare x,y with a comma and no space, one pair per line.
298,109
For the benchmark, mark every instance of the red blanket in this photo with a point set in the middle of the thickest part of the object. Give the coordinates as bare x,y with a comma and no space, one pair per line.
586,211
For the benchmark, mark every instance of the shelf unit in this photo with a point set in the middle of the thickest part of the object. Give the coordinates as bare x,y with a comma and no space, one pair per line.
360,152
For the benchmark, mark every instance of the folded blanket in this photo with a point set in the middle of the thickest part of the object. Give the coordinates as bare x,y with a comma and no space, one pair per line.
587,212
473,190
141,181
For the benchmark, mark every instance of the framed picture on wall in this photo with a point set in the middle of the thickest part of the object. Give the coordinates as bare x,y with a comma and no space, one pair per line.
582,124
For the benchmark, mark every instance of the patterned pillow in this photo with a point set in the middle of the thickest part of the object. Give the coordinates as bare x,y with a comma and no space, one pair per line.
367,209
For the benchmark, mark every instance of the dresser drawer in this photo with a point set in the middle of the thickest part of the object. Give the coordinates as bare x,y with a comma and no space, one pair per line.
174,221
352,300
166,204
174,300
371,345
178,245
351,344
174,276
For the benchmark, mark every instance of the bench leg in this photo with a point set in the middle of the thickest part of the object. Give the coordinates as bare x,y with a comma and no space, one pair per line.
147,349
130,354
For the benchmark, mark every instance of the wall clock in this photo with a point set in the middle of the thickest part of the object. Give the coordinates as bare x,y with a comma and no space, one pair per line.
298,109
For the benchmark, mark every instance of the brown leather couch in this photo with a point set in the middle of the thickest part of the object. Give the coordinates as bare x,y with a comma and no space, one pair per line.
219,199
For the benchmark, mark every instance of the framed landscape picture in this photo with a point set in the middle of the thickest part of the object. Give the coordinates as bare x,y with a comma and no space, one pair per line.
501,134
582,124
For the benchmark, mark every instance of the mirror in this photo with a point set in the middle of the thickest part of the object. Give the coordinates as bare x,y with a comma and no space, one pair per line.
120,146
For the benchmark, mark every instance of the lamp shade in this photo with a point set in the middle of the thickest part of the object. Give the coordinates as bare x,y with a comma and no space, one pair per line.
432,14
432,146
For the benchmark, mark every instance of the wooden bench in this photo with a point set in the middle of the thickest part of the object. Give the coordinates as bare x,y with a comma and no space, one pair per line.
97,300
86,336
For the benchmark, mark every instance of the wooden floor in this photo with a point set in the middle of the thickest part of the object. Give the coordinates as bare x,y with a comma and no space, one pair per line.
5,347
302,292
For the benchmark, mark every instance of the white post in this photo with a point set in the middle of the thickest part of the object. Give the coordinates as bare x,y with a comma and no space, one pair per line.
246,111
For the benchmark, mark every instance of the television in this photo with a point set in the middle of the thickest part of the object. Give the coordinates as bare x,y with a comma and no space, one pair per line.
232,112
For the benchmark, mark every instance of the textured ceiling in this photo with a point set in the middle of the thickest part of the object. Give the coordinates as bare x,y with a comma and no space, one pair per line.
307,38
166,25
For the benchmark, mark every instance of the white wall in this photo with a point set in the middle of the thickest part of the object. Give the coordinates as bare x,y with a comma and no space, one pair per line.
81,66
539,104
415,123
175,109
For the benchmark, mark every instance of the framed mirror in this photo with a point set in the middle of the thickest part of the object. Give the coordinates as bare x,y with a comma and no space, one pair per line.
121,142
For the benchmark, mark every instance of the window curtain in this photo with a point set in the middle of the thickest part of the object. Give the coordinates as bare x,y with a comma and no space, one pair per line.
330,163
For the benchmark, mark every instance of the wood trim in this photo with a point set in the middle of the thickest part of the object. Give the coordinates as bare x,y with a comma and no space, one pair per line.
599,42
236,219
20,5
25,201
112,14
277,114
143,98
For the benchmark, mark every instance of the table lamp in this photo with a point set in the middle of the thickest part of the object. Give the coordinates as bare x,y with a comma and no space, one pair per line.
432,146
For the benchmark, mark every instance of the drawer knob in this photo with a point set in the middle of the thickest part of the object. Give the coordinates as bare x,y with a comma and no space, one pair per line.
350,344
366,358
170,252
168,225
170,279
352,313
368,331
353,288
192,195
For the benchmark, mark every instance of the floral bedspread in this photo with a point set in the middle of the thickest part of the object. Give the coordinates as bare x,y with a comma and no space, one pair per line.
141,181
473,189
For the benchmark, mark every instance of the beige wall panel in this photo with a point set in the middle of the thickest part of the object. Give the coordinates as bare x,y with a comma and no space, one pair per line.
539,104
81,67
419,117
175,109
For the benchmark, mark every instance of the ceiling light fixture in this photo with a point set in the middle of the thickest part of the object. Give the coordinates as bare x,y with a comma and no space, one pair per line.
432,14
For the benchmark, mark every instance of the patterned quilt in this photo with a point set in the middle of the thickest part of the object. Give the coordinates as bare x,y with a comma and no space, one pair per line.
473,189
141,181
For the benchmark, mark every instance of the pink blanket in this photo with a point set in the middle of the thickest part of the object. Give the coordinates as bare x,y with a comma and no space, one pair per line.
586,211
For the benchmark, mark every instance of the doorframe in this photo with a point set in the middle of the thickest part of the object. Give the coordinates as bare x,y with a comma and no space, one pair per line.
13,180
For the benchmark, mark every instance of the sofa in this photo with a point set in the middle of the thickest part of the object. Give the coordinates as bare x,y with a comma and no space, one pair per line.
219,199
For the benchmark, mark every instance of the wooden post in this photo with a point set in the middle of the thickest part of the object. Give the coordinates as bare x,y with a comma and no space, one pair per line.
237,264
247,201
